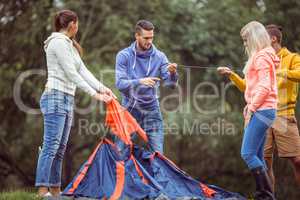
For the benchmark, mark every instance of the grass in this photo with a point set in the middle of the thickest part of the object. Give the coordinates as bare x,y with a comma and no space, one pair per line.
18,195
29,195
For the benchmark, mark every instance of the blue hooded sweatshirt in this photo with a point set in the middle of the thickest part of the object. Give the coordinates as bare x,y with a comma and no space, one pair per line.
131,66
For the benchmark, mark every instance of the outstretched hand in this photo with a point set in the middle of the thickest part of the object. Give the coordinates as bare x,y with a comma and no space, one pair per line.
172,68
224,71
149,81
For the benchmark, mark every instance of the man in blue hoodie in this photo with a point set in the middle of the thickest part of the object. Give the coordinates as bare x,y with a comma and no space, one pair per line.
139,70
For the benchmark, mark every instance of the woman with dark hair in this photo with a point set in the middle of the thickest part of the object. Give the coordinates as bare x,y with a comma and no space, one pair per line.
66,71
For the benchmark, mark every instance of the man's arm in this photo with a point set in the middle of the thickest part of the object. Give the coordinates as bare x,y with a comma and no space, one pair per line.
123,83
293,73
170,78
238,81
235,78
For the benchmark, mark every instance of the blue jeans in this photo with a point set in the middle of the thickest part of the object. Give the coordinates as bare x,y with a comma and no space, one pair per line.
152,123
252,150
57,109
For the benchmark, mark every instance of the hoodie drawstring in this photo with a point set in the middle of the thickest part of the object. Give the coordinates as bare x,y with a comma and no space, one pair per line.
149,65
134,60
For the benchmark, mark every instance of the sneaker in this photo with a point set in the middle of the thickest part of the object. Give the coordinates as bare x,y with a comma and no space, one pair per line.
48,194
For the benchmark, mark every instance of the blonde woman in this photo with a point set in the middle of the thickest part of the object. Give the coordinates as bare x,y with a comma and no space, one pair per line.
261,99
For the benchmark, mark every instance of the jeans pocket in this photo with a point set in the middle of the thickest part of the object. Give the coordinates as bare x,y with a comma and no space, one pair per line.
54,102
43,103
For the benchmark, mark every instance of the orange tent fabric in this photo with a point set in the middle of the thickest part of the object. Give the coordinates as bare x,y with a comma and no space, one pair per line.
121,123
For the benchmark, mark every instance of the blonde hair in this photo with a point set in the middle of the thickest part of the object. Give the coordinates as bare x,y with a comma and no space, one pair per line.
256,38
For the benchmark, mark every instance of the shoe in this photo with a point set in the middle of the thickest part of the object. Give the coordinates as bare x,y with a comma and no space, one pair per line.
46,195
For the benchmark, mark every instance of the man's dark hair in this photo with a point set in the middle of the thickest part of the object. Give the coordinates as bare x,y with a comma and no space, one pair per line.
143,25
276,31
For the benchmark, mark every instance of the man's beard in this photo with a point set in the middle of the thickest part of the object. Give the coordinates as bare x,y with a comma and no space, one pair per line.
145,47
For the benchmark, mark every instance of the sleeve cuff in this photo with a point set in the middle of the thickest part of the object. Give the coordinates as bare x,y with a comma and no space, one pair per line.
93,92
173,77
232,76
102,88
135,82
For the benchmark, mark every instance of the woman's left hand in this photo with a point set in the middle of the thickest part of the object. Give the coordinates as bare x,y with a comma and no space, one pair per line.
248,117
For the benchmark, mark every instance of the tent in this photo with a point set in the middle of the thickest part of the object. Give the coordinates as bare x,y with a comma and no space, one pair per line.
135,173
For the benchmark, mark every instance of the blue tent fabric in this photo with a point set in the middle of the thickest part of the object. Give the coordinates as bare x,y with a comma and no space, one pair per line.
99,182
136,174
176,183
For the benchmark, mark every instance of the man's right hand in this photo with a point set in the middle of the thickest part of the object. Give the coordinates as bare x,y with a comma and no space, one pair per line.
149,81
224,71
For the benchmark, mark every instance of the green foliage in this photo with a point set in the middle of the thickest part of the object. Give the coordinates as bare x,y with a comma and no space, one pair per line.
18,195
